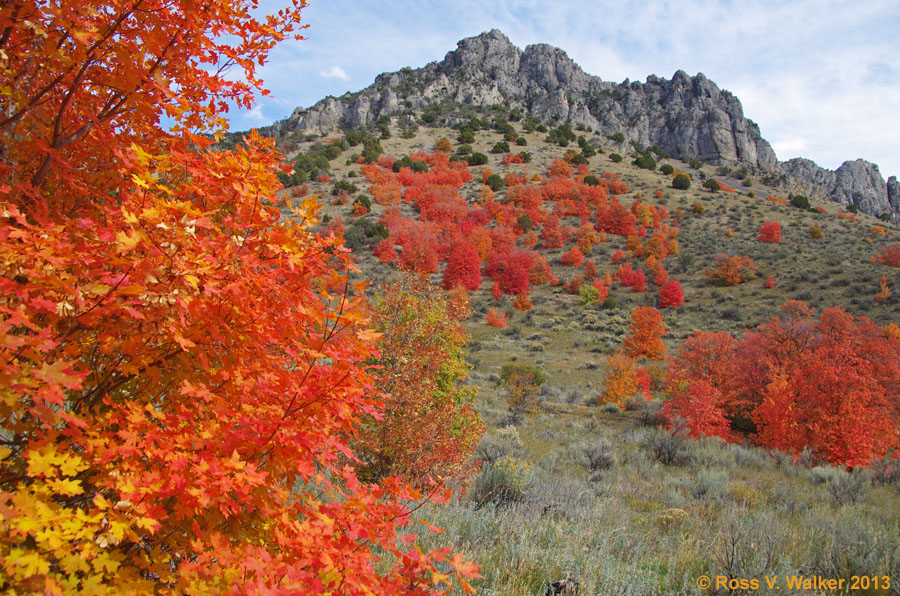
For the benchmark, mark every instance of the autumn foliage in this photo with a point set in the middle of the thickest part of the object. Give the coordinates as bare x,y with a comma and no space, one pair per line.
427,428
647,331
463,267
770,232
181,368
671,295
624,379
573,258
830,384
890,255
731,270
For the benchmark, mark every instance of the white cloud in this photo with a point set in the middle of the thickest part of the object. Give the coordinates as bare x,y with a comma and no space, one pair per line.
256,114
335,72
789,146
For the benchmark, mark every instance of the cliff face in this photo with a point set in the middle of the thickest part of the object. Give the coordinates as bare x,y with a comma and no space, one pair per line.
858,183
686,116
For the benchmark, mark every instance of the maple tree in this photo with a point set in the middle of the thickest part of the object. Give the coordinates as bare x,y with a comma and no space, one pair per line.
463,267
647,331
573,258
731,270
426,428
770,231
671,295
624,380
830,384
890,255
181,368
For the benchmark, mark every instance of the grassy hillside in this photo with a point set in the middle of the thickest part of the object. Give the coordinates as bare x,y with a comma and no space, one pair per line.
610,498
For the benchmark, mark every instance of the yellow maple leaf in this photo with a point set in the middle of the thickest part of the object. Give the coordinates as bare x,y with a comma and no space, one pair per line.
41,464
66,486
127,241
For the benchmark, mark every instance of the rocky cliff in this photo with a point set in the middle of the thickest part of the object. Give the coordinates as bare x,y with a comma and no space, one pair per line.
685,116
855,183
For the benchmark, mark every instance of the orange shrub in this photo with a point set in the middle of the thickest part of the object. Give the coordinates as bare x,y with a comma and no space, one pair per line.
623,380
497,318
890,255
731,271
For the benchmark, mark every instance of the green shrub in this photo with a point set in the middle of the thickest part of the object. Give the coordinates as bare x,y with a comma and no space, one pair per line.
502,483
500,147
666,169
344,185
710,485
464,149
524,221
610,407
595,455
645,162
591,180
798,201
536,377
364,201
561,135
521,141
712,185
466,135
495,182
616,137
681,182
668,448
590,295
615,157
478,159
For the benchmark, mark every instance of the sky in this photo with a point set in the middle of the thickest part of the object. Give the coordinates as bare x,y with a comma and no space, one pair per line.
821,78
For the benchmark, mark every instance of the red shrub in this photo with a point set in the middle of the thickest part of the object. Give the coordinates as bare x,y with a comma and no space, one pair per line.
573,258
890,255
770,232
671,295
463,267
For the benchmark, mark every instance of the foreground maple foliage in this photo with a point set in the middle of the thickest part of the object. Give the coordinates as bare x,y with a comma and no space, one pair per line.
179,370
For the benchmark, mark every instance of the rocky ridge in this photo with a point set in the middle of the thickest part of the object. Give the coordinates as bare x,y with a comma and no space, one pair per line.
688,117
